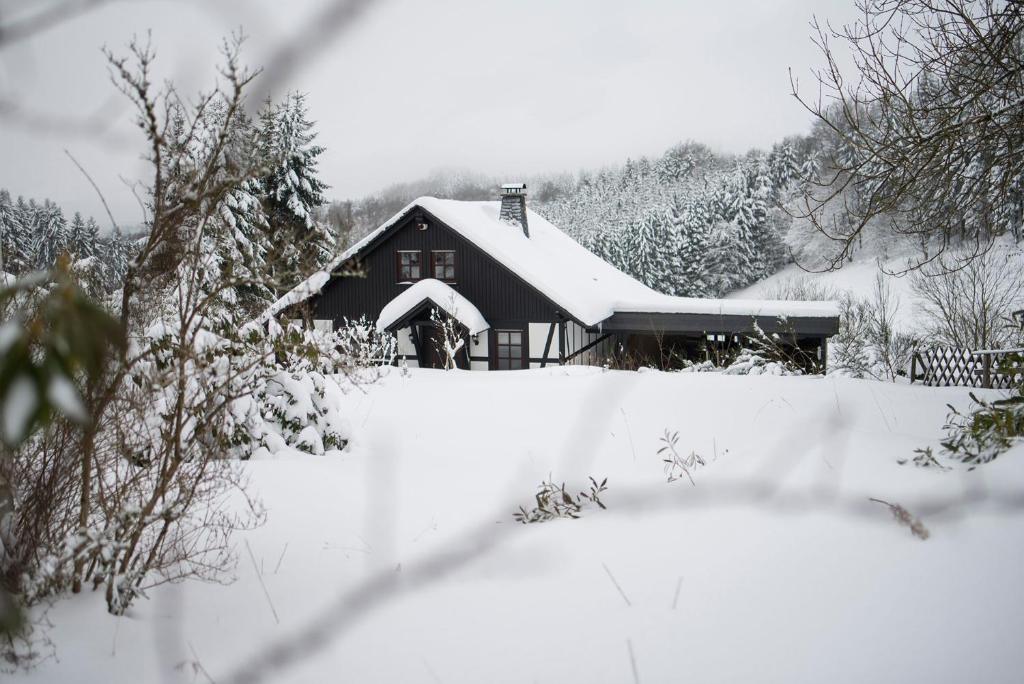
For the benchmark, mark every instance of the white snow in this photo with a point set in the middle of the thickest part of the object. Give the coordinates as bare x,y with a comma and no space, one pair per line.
586,286
442,295
774,566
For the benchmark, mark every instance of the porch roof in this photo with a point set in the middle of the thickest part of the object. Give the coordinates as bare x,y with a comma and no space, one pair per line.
432,293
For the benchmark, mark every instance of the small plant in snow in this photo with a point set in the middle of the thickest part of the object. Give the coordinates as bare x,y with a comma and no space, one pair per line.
904,517
925,459
675,465
989,429
553,501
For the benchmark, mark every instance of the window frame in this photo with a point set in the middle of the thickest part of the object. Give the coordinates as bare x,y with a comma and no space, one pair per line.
523,359
399,265
433,265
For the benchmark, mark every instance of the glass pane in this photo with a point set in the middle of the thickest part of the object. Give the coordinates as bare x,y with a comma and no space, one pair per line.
515,337
502,337
515,364
414,272
503,364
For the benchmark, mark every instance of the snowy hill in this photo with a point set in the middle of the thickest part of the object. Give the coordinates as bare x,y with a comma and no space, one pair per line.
857,278
774,566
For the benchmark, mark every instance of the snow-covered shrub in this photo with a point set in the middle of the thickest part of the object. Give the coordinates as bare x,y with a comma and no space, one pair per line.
967,302
749,362
769,354
353,349
987,430
361,346
849,347
300,410
705,366
868,344
553,501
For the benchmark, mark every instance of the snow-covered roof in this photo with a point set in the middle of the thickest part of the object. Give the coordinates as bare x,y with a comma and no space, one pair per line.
443,296
588,288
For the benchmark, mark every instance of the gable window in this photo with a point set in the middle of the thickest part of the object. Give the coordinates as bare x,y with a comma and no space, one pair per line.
442,264
409,266
508,349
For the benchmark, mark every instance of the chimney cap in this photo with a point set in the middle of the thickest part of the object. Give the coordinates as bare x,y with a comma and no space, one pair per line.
513,189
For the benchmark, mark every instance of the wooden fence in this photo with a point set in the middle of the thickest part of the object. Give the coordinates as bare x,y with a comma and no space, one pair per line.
947,366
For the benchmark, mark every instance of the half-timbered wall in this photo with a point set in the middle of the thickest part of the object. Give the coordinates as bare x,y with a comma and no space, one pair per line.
577,337
538,340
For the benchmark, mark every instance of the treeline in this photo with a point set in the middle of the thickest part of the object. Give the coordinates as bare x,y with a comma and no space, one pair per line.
271,218
34,234
690,222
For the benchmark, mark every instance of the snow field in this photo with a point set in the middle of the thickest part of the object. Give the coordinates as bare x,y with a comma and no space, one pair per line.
774,567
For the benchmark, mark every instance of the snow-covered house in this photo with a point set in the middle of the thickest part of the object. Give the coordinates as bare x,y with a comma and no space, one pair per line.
525,294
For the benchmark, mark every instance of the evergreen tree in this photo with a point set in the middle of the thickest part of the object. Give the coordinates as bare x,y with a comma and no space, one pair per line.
81,239
51,237
293,189
118,256
91,239
24,249
692,224
10,234
244,241
652,252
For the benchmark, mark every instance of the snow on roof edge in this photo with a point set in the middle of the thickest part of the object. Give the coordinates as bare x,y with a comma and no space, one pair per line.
441,294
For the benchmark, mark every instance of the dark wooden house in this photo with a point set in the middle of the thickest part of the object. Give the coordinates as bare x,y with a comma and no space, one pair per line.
526,295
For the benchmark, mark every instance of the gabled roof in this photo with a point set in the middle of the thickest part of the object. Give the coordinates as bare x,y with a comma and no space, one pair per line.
588,288
435,293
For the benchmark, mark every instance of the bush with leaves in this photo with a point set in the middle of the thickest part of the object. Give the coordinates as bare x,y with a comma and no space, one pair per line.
553,501
987,430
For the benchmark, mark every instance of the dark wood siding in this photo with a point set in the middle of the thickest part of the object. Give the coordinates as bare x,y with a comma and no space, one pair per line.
502,297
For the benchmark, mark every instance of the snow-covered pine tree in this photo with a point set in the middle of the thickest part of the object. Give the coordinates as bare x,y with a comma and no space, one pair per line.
22,255
783,165
116,257
82,238
607,244
10,234
726,266
92,236
693,226
244,240
293,190
51,235
652,252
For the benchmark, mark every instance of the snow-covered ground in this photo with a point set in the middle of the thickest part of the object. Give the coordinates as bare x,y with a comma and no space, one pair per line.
774,567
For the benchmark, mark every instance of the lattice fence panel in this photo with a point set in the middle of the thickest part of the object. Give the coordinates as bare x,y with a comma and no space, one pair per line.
949,366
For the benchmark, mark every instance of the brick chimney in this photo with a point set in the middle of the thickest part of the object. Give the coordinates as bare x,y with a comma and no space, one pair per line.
513,206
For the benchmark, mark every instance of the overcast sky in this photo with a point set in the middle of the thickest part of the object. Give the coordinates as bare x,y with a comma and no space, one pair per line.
502,87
